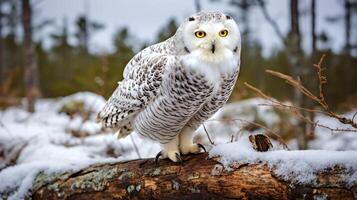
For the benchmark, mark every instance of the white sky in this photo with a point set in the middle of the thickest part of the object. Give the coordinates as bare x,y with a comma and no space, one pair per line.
145,18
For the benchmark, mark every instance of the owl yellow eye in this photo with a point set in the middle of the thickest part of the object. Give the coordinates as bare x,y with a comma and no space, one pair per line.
200,34
223,33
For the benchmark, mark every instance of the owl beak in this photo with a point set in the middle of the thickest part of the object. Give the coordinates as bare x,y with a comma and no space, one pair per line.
213,48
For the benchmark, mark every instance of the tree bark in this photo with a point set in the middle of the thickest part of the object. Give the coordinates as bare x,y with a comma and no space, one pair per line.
294,24
2,67
296,56
31,68
313,26
196,178
347,5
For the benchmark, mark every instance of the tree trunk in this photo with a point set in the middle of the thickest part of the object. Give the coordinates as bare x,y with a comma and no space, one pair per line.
294,23
2,67
347,26
197,5
295,57
308,103
31,68
313,26
196,178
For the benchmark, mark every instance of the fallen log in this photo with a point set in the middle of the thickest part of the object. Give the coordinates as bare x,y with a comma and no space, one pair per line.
196,178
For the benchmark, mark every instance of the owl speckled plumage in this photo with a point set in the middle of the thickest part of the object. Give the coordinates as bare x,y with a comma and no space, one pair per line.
170,88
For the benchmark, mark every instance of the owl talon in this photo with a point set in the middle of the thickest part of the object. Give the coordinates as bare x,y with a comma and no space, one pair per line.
178,157
173,156
202,147
193,148
157,158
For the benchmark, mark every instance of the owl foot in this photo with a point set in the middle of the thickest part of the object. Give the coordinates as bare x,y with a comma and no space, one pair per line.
194,148
172,155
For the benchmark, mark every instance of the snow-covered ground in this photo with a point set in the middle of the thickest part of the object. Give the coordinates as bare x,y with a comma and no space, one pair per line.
43,141
51,141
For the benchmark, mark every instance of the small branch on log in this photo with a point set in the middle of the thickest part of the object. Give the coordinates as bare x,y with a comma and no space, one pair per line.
196,178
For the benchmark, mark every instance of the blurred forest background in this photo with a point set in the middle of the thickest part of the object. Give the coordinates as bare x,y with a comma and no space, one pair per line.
29,69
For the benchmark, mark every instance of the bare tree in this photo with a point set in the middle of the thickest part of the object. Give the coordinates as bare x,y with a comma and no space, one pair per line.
294,51
244,7
309,128
347,25
198,5
2,70
295,54
271,21
30,59
313,26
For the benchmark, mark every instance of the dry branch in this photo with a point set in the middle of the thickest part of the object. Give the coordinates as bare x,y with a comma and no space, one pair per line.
196,178
320,99
207,134
296,110
272,22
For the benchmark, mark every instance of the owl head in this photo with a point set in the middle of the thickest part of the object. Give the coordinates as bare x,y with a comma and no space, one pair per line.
210,35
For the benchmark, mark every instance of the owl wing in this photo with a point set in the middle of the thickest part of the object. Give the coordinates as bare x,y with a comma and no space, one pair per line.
140,86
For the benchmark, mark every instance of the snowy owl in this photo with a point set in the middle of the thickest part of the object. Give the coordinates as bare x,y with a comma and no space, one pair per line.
170,88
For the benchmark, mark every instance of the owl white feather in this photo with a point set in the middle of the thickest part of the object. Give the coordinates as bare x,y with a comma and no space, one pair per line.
170,88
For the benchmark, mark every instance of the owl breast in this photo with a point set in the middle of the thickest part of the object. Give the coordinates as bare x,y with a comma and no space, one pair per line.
185,91
212,68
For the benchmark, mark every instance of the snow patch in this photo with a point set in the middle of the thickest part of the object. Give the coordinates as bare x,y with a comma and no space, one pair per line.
296,166
325,139
44,143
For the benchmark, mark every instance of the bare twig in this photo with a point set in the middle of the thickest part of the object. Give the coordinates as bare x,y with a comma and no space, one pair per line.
259,92
269,131
209,138
273,23
238,133
2,125
13,155
294,107
353,117
322,81
297,84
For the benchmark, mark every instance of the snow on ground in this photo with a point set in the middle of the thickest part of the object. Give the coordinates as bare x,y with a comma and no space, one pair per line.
334,141
45,143
230,121
50,141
